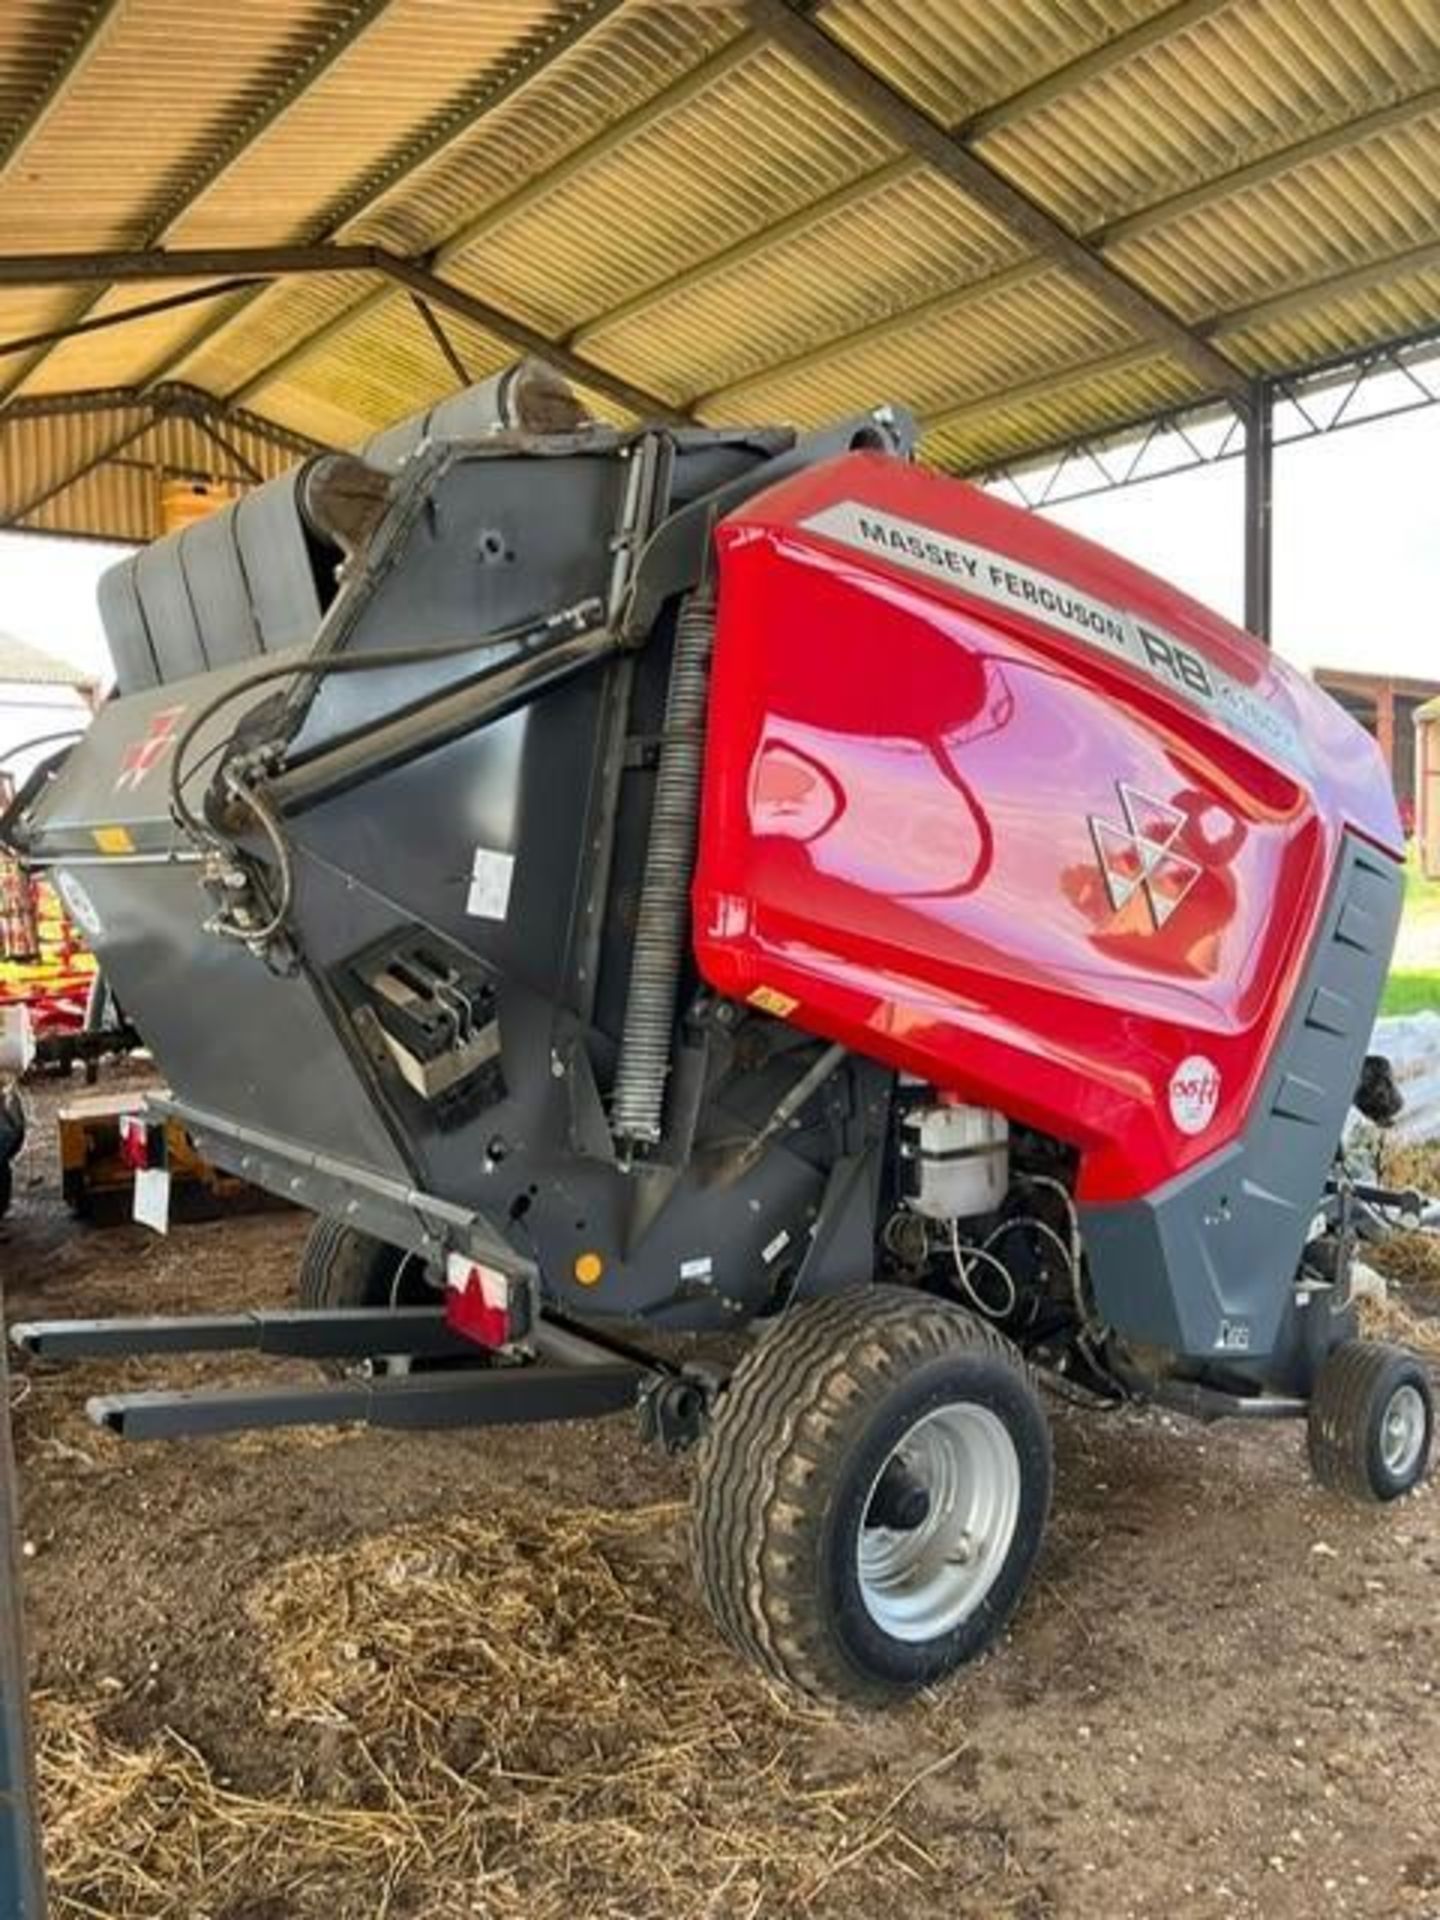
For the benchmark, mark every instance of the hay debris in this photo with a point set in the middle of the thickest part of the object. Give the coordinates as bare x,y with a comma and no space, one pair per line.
1393,1319
517,1713
1410,1164
1410,1258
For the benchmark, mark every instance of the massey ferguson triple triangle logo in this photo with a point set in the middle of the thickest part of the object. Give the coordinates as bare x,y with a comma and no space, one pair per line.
1137,857
149,750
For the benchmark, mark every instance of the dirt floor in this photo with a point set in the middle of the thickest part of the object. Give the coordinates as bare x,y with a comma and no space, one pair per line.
357,1674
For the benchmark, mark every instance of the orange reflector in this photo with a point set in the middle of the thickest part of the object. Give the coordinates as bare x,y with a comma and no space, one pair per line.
588,1269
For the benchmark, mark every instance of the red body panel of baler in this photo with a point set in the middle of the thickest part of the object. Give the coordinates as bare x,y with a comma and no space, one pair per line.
944,826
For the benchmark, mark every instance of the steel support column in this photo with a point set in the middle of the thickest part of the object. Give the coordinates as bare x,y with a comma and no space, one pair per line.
1259,525
22,1888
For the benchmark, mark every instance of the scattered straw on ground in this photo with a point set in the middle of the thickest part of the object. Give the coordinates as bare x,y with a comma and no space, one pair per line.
520,1714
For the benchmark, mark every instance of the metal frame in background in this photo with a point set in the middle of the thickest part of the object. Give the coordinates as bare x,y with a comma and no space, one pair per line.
1381,383
154,405
250,268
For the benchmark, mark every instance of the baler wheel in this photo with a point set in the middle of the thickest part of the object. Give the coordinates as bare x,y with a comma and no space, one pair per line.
871,1494
343,1266
1372,1421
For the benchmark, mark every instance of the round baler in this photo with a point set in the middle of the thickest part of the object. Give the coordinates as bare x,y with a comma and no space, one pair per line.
747,887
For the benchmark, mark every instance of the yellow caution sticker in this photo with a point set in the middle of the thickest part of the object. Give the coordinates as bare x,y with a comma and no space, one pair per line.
113,839
771,1000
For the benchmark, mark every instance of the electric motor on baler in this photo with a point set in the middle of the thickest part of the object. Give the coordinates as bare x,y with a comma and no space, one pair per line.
724,882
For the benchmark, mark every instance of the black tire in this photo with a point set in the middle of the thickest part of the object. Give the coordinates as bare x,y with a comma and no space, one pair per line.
343,1266
1363,1387
788,1473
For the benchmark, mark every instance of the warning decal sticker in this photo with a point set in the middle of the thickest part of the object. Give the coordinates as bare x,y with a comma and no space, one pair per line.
1194,1093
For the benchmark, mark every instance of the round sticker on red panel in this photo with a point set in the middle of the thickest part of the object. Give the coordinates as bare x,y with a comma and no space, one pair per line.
1194,1093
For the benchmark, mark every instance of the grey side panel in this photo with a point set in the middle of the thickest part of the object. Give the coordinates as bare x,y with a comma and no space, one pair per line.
249,569
392,1209
92,787
270,539
1204,1266
219,592
236,584
125,629
203,1006
165,602
496,540
391,449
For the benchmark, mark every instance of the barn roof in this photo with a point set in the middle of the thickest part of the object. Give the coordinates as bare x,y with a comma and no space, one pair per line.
1028,221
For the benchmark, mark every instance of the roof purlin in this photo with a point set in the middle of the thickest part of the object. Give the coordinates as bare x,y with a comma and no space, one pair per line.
55,269
87,42
910,127
1204,194
295,88
684,87
422,154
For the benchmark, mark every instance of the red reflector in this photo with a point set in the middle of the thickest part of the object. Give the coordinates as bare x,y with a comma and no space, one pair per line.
134,1142
490,1308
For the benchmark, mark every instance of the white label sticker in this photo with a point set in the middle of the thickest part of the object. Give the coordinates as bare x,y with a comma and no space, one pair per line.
700,1269
78,904
992,576
152,1198
490,878
1194,1093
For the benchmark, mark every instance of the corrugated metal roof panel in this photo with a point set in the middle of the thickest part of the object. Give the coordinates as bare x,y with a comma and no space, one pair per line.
628,59
1246,79
170,80
298,406
1401,304
23,312
36,39
82,471
37,454
1073,403
953,57
703,216
907,241
282,315
407,70
384,367
123,355
983,344
1360,204
760,141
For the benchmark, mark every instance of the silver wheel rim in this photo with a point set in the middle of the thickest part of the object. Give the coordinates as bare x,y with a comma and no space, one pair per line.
920,1582
1402,1431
